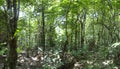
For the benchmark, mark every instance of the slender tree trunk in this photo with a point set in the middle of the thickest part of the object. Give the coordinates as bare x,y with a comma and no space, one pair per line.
43,28
65,48
76,33
82,34
66,33
83,28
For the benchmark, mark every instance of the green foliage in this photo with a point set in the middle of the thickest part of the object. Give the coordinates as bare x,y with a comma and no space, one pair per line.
2,2
83,28
115,48
19,49
3,49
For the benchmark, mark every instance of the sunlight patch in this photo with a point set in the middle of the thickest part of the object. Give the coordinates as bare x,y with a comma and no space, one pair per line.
59,31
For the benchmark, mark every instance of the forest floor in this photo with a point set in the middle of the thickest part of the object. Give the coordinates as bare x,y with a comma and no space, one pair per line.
23,62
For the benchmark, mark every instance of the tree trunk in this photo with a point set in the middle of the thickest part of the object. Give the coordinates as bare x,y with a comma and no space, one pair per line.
42,40
12,17
12,56
43,28
83,28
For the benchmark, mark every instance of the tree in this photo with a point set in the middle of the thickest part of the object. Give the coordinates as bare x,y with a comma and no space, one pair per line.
12,17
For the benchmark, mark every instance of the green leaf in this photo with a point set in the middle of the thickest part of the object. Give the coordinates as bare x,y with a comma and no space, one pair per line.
17,31
1,2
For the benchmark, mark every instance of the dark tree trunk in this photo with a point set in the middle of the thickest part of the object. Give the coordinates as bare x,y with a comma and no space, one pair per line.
76,34
83,28
12,57
12,17
43,28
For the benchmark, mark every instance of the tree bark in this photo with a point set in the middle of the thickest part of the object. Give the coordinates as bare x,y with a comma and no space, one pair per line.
43,27
42,39
12,17
12,56
83,28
